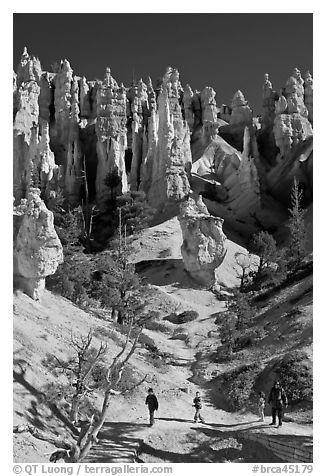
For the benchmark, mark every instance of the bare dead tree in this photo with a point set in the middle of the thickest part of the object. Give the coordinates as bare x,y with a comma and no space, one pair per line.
113,377
80,367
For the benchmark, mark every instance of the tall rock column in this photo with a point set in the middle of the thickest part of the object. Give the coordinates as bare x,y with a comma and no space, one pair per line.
74,166
29,69
65,134
45,167
111,134
85,107
291,124
208,104
203,248
268,102
241,112
172,160
188,107
37,248
308,95
152,140
33,159
139,107
25,136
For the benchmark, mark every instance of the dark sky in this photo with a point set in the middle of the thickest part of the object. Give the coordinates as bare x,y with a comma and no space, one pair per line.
225,51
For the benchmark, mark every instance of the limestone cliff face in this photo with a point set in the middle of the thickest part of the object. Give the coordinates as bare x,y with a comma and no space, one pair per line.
225,176
46,95
65,132
34,162
308,95
285,140
156,140
111,134
25,137
218,162
188,107
291,124
203,248
241,117
269,98
241,112
37,248
208,104
139,111
85,105
29,69
172,157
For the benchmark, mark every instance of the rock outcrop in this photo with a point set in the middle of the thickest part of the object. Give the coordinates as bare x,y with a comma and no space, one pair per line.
208,104
34,163
308,95
172,160
158,139
111,134
285,140
188,107
241,112
37,248
269,98
29,69
291,124
65,133
203,248
241,117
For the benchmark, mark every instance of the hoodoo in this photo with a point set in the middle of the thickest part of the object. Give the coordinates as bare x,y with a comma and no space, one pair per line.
165,142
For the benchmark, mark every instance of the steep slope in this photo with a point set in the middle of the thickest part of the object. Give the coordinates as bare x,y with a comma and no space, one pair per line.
183,362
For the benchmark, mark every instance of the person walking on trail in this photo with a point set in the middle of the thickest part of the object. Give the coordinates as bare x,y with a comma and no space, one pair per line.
261,406
198,406
278,400
152,403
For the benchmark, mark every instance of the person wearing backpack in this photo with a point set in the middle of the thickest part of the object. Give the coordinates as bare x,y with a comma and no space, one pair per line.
278,400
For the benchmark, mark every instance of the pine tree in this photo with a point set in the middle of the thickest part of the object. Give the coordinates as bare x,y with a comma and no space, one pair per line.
296,225
264,245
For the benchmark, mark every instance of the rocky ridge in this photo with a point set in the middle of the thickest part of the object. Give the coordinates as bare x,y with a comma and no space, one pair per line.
164,140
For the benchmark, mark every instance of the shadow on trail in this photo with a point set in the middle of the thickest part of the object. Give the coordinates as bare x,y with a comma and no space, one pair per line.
117,441
175,419
221,425
209,446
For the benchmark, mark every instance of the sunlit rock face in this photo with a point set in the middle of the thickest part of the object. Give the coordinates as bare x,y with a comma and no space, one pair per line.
203,248
171,162
164,140
33,159
291,124
111,135
308,95
37,248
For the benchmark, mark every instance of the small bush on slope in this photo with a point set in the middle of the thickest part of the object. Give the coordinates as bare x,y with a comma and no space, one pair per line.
237,385
295,373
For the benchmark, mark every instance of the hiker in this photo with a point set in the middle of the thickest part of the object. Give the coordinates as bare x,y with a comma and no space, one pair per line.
277,399
198,406
261,406
152,403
